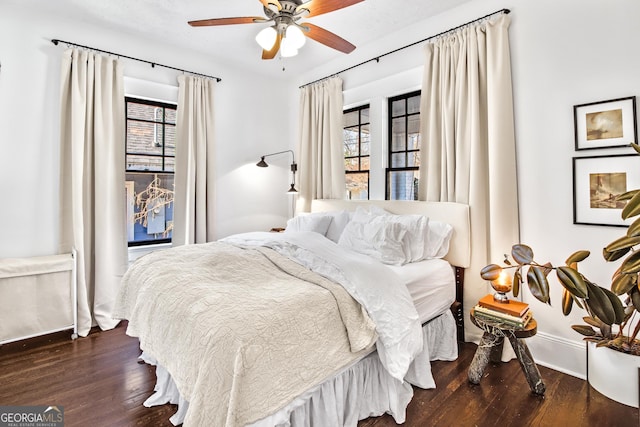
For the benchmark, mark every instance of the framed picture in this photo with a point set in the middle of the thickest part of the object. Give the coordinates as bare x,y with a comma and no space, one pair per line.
597,180
605,124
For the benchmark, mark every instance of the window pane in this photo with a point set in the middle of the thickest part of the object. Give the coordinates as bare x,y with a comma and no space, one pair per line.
364,115
144,138
351,164
398,135
144,163
169,115
364,149
398,160
398,108
413,126
413,104
403,185
149,206
365,164
357,186
144,112
169,164
413,158
170,140
350,119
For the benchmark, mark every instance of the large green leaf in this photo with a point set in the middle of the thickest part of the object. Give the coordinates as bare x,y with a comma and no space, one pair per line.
587,331
600,304
634,228
616,304
632,208
615,255
635,298
626,196
567,302
623,283
538,283
491,272
572,281
522,254
577,257
631,264
517,280
624,242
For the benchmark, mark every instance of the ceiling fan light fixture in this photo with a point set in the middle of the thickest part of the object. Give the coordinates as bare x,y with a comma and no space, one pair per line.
288,49
295,36
266,38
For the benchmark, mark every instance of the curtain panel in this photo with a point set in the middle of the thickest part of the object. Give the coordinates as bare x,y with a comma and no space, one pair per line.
468,140
194,201
321,154
92,169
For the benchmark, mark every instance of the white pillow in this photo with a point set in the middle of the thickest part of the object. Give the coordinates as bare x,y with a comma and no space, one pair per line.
376,237
438,238
415,239
339,221
318,223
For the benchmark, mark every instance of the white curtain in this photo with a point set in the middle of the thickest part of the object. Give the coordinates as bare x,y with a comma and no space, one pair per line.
468,142
93,181
321,151
194,199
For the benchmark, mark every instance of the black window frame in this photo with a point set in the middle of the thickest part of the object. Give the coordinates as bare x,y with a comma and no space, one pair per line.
360,156
164,155
406,151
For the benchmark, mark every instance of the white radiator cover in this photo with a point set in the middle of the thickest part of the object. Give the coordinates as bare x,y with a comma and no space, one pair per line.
37,296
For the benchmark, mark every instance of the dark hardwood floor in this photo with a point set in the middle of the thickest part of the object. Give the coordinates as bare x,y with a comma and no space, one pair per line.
99,382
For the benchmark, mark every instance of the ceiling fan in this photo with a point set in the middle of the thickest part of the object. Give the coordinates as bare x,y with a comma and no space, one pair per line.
286,34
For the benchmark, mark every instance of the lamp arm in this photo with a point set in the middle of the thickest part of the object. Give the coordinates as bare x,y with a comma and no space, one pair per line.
282,152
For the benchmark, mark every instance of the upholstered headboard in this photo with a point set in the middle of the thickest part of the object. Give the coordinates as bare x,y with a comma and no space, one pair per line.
456,214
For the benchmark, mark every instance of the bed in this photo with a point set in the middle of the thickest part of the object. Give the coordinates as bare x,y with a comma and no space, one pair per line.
300,328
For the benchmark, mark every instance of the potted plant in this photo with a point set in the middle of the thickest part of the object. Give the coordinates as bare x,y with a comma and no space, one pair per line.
610,321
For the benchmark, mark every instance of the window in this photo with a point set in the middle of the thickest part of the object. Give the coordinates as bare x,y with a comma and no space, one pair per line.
404,147
355,135
150,162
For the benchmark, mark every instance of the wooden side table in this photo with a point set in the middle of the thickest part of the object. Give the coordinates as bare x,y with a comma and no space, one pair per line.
490,348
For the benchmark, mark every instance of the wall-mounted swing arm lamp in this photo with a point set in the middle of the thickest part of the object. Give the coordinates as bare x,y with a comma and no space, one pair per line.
294,167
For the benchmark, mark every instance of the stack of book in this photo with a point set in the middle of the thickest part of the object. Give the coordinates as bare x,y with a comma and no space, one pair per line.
512,313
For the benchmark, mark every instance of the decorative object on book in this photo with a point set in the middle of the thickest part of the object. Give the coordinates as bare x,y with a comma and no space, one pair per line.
502,285
605,124
609,320
597,183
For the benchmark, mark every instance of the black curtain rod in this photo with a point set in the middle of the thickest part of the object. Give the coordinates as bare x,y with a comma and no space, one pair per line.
153,64
377,58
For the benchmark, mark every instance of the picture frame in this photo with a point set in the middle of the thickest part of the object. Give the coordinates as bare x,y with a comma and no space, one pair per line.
605,124
596,181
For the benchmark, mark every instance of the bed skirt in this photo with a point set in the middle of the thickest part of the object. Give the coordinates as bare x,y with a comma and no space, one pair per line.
360,391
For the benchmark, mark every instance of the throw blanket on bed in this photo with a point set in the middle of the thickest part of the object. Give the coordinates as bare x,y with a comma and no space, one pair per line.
200,310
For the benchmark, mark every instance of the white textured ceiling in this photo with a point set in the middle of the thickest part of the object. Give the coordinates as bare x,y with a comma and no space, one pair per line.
166,20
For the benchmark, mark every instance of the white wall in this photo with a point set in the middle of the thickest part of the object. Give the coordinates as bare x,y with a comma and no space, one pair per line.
563,54
251,119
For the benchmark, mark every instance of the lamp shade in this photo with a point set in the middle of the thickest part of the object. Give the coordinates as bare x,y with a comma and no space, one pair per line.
295,36
267,38
262,163
287,48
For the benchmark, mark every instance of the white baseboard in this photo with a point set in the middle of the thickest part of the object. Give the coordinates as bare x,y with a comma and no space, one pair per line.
559,354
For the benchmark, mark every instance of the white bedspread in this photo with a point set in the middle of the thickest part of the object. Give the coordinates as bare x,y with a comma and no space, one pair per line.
236,360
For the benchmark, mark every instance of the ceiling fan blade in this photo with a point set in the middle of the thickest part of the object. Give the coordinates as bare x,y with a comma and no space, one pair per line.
270,54
327,38
275,3
319,7
227,21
